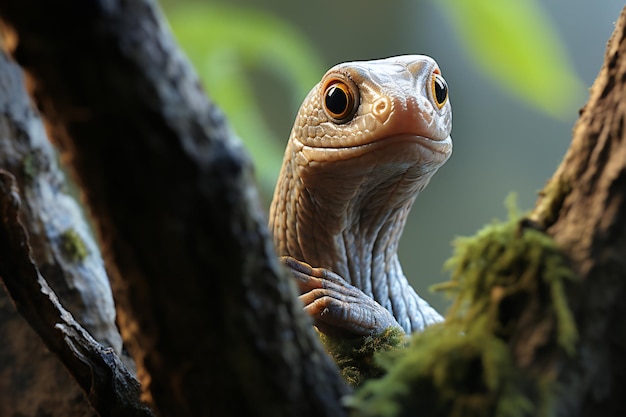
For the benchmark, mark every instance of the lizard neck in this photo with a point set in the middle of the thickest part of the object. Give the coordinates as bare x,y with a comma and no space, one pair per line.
353,231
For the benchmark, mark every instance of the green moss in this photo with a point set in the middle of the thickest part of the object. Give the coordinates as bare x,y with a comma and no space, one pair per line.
73,246
30,166
355,357
446,371
506,272
494,355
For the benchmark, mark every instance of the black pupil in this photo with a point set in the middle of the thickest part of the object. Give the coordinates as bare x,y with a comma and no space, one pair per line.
441,90
336,100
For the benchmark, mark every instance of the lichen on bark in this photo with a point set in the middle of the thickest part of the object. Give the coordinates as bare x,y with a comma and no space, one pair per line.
73,245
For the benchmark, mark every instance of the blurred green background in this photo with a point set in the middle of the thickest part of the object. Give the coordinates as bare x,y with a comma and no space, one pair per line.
518,72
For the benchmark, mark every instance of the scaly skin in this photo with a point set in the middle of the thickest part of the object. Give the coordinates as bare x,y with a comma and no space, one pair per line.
347,184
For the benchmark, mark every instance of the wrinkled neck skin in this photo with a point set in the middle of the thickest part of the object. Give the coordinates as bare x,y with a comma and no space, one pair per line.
348,217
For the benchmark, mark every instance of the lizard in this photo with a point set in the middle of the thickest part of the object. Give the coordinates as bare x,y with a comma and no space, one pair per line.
365,142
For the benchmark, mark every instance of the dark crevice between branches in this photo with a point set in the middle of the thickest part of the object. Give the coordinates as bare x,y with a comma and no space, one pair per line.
110,387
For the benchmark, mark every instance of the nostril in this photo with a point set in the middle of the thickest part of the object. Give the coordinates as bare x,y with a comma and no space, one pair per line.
382,109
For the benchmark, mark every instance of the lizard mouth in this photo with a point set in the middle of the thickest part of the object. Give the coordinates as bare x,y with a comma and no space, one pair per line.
401,146
443,146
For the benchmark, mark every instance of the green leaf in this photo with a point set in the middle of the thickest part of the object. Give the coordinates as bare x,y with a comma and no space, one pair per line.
226,44
514,43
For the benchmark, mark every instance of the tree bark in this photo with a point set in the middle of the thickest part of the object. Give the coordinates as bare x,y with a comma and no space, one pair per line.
110,387
32,380
583,208
211,318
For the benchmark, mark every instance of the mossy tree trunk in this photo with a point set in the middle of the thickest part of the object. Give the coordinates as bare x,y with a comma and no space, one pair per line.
210,318
583,207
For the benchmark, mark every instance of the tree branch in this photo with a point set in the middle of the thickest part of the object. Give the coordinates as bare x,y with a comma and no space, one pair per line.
61,243
111,389
63,250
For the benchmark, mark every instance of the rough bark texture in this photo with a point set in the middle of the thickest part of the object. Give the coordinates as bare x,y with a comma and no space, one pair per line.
32,380
584,209
111,388
211,318
59,236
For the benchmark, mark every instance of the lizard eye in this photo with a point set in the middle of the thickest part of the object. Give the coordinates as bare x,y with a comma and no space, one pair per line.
439,89
340,100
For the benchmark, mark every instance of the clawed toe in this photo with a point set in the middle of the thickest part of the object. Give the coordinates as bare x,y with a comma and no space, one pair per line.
335,305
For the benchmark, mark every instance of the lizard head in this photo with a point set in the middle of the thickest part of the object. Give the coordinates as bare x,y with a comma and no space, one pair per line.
366,140
397,107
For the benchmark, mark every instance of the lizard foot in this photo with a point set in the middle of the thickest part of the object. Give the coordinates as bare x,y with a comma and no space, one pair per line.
335,305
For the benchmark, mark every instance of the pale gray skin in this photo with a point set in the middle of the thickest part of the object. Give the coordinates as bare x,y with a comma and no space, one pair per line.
346,187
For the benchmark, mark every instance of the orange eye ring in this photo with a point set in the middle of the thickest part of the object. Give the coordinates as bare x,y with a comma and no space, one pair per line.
340,100
439,89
